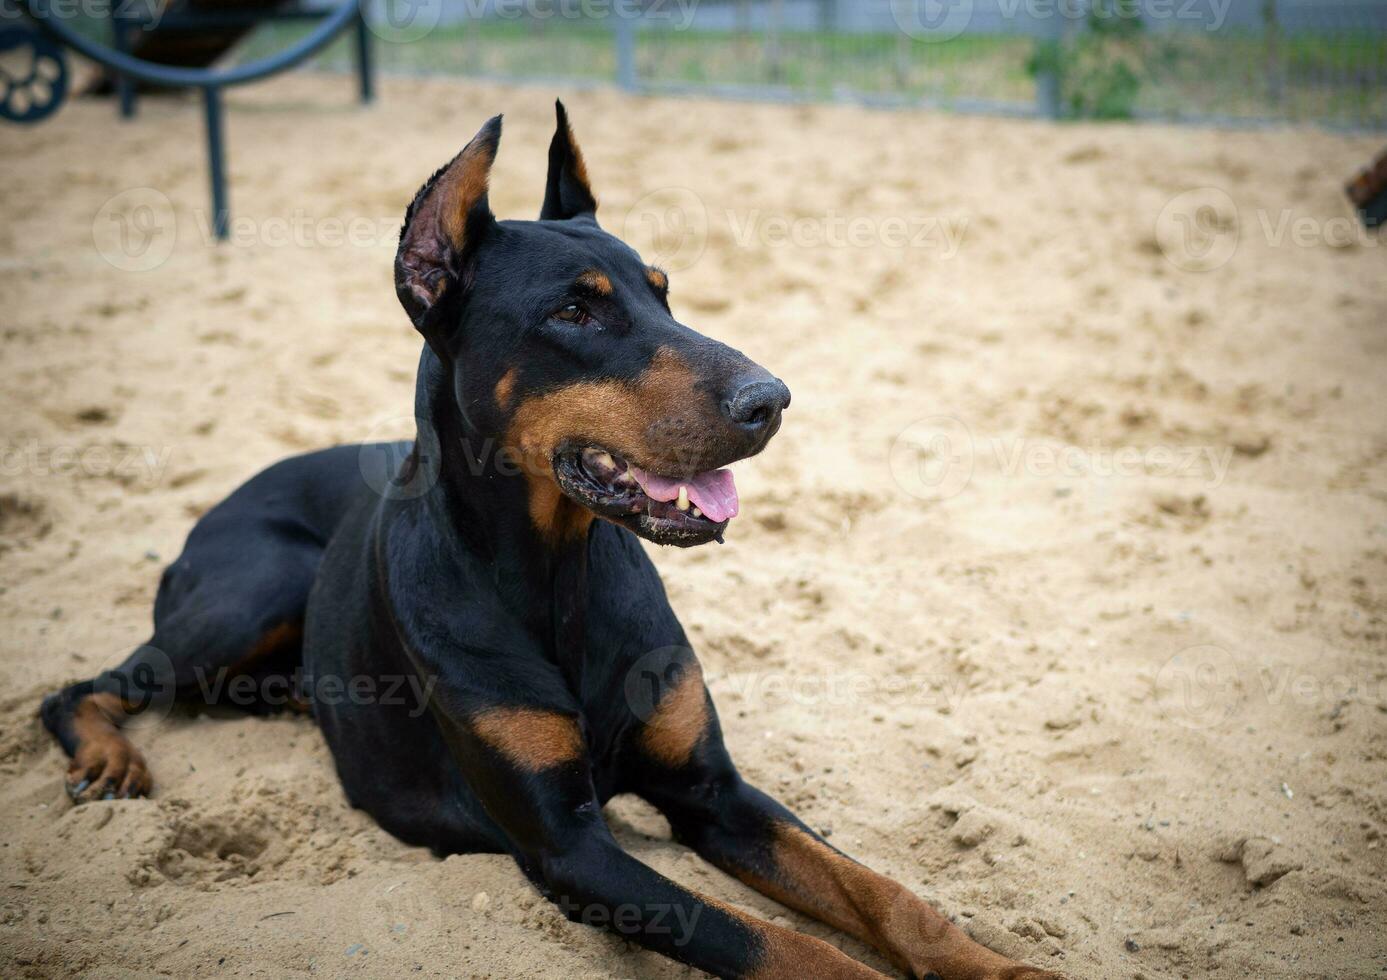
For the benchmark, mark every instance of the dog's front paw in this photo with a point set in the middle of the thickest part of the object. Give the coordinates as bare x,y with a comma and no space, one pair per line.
107,768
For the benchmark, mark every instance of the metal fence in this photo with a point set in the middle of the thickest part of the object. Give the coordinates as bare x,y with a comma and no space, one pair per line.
1320,61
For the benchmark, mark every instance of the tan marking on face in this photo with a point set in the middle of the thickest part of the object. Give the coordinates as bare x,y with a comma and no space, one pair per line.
673,731
531,738
596,281
616,415
816,879
657,279
504,389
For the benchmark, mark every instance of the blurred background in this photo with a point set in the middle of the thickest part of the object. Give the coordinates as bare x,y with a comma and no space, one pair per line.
1320,61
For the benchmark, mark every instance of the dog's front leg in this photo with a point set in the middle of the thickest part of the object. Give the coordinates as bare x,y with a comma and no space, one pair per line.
684,770
530,770
741,830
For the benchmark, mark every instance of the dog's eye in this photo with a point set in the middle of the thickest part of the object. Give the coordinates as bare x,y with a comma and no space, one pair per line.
573,313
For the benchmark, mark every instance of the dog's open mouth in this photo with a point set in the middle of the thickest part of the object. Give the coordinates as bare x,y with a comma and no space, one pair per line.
668,510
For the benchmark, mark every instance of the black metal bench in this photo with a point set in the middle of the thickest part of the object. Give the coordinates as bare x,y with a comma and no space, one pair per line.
43,90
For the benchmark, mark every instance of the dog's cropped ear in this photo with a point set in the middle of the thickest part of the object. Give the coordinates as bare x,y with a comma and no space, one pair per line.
448,218
566,193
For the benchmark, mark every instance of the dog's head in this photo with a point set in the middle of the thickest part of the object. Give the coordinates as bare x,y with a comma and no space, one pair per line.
560,347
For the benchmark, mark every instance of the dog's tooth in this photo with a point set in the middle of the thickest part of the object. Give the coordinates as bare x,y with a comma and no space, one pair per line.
696,512
605,460
683,502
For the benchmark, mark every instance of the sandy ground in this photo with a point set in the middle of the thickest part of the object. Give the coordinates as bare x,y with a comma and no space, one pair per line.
1060,597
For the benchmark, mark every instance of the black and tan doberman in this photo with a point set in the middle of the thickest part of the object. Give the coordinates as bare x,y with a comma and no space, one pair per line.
482,638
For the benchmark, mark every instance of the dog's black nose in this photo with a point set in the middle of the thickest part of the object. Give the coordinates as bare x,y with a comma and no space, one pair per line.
756,402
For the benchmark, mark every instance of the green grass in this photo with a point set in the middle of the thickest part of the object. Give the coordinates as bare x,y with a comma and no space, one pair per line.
1335,79
1329,79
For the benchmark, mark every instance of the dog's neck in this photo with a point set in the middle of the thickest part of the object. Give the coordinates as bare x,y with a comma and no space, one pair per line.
481,500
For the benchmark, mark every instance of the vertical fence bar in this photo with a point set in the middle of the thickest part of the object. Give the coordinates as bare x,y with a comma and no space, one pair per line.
1049,46
625,30
902,64
1271,28
472,45
365,68
216,160
121,25
773,26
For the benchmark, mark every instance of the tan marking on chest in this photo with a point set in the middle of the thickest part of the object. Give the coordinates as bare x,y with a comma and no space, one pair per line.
530,737
679,721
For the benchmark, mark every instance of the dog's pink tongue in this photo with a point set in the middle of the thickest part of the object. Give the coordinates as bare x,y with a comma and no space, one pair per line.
713,491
